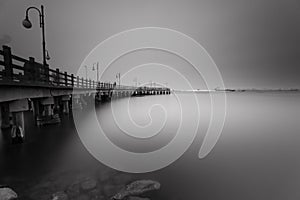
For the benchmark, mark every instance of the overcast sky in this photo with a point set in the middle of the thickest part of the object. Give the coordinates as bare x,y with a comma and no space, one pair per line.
255,43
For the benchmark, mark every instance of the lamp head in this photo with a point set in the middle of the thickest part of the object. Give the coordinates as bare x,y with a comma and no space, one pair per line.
26,23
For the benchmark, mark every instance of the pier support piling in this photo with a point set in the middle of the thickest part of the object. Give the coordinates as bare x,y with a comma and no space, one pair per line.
4,116
17,108
65,102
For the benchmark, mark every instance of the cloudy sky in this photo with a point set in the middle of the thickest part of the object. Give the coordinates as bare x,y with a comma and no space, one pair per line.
254,43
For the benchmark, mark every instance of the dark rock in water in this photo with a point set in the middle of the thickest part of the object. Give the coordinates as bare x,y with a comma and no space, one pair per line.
137,188
59,196
7,194
88,184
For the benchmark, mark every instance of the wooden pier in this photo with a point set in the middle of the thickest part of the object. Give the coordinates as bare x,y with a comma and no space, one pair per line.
28,85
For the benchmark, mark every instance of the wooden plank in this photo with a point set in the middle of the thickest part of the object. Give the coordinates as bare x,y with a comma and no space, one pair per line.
18,58
14,66
7,62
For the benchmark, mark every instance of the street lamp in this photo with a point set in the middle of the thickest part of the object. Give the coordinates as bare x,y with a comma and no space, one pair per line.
85,72
27,24
97,70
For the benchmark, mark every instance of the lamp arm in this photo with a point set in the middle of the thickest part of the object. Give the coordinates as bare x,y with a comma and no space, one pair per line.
35,8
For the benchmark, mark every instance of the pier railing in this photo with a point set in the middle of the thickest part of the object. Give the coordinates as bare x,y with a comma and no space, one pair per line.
15,70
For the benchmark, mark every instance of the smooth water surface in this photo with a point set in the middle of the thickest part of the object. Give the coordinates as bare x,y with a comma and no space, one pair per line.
256,157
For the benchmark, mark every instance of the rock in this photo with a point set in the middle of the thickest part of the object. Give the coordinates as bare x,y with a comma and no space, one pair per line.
88,184
137,188
137,198
7,194
59,196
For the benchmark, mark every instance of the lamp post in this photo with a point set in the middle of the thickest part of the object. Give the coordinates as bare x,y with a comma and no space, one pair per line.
97,70
27,24
85,72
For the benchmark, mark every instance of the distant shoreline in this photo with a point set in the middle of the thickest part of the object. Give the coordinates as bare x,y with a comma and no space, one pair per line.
237,90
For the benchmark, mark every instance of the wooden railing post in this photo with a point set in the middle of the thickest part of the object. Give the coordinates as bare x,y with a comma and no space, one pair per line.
57,77
7,63
46,71
77,80
82,82
72,80
29,70
66,79
90,83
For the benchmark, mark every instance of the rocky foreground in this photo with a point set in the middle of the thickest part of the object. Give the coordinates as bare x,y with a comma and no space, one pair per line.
106,185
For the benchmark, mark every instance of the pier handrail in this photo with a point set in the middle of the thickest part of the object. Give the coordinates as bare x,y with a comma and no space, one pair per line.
15,70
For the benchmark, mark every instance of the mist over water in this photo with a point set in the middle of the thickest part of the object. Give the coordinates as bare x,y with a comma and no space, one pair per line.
256,157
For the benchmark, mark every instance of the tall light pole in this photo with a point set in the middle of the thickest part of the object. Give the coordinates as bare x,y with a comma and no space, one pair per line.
97,70
27,24
85,72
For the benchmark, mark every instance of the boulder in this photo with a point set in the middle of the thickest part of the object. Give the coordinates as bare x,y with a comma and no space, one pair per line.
137,188
59,196
7,194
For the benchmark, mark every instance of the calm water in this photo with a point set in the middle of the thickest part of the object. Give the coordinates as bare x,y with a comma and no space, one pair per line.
256,157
